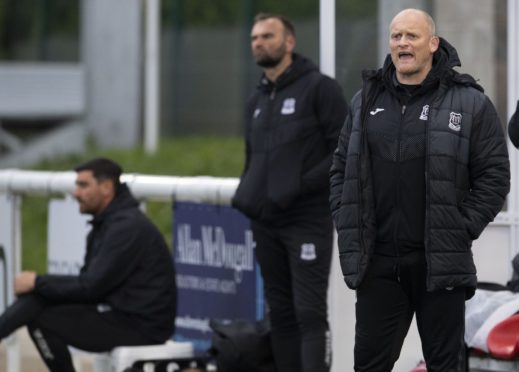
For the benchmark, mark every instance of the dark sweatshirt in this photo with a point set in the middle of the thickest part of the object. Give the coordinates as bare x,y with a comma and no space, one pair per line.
292,129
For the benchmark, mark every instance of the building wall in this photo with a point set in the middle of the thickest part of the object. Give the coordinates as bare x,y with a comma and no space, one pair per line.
112,57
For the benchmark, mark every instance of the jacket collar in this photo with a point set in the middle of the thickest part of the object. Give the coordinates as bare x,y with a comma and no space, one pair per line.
123,199
444,60
300,66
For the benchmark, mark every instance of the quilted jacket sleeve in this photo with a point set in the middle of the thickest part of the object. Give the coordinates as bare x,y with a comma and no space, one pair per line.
489,169
513,127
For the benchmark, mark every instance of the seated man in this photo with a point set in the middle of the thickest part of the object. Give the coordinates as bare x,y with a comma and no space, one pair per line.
125,293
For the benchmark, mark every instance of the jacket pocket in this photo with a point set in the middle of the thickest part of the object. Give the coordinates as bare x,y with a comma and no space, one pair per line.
250,196
284,181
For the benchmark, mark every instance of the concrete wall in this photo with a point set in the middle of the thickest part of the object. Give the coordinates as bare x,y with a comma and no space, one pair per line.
471,28
112,55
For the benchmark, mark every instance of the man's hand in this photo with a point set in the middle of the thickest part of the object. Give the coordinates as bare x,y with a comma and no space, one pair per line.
24,282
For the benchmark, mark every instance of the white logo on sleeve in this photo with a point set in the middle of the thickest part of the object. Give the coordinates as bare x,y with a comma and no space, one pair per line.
256,113
376,111
425,113
308,252
289,106
455,121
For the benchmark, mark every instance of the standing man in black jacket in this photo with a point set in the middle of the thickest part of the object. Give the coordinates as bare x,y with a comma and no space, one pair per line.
293,122
421,168
125,293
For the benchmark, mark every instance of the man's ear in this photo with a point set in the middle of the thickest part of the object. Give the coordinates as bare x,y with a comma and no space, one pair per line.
434,44
290,43
107,188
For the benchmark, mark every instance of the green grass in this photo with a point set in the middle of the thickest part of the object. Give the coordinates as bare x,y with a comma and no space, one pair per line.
189,156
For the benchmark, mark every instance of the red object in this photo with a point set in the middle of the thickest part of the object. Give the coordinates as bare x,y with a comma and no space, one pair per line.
503,339
420,368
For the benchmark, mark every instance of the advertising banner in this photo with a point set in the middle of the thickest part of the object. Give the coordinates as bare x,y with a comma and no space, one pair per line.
217,274
66,236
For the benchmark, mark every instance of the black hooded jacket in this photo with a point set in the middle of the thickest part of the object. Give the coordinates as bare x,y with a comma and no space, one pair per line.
423,171
292,130
127,266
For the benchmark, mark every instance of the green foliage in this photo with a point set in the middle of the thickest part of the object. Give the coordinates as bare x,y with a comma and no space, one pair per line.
34,233
27,26
356,8
204,13
190,156
187,156
208,13
293,9
62,16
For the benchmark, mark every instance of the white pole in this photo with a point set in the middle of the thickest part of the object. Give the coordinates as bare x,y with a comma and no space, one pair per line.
340,299
513,96
151,76
327,36
13,345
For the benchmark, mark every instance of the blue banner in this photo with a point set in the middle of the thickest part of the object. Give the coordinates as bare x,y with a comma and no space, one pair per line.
217,274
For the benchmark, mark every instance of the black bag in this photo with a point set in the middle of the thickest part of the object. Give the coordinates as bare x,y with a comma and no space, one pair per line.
242,346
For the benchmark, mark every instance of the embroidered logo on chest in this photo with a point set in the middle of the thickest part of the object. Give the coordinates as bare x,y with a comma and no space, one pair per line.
425,113
376,111
289,106
256,113
308,252
455,121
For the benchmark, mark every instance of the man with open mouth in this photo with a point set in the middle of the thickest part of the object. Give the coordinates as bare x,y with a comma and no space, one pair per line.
420,169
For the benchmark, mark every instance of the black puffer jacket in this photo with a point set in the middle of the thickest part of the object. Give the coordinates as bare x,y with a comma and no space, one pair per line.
513,127
467,174
292,130
127,266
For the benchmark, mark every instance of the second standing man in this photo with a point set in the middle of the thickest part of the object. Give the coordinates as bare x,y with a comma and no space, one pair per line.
293,123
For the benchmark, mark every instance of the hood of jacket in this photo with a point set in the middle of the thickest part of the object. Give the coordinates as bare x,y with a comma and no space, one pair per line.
123,199
300,66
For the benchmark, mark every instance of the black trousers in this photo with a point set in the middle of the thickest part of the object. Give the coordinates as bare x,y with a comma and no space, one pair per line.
295,265
391,293
53,327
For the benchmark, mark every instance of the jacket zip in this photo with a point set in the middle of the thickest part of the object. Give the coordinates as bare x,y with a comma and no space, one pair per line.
427,224
427,198
268,123
367,103
397,196
359,182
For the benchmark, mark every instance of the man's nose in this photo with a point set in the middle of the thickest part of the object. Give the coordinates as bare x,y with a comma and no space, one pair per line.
403,41
257,43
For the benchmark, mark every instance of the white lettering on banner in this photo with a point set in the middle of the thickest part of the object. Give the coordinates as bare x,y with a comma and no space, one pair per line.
214,251
215,285
187,251
198,324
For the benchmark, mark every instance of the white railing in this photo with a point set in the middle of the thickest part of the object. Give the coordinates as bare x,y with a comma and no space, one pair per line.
207,189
